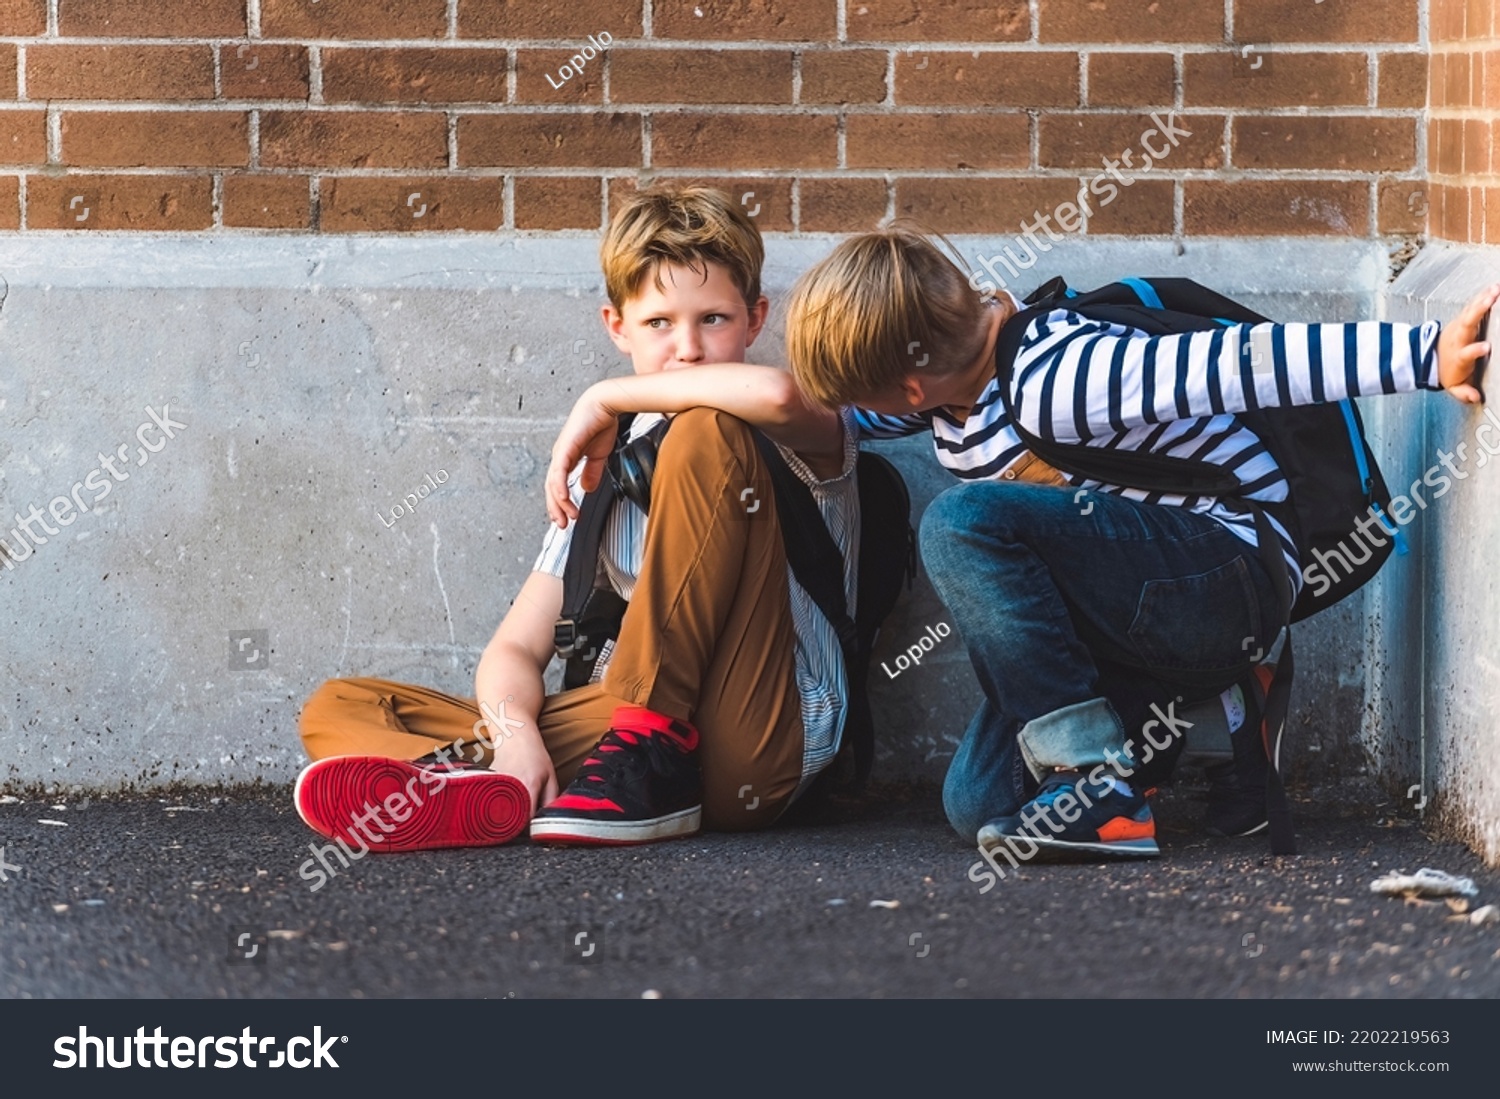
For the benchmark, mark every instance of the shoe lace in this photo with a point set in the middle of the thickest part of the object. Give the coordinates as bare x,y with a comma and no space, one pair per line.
620,754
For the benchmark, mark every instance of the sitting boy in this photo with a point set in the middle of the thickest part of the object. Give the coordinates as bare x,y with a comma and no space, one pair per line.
723,694
1080,621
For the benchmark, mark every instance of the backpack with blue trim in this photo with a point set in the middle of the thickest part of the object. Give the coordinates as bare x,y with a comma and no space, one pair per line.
1332,478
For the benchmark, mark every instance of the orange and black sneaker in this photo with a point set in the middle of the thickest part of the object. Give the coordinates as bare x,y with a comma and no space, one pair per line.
1073,817
1237,787
641,784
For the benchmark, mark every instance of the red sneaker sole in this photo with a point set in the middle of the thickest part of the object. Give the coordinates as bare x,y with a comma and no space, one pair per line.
455,809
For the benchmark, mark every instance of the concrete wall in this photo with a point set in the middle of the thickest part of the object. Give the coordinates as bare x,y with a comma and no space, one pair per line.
1432,640
320,381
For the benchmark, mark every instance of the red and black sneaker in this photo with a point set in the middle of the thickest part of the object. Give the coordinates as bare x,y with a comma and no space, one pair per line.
642,783
391,805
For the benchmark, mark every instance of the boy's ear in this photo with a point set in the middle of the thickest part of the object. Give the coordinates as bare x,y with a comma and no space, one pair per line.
614,324
758,313
914,392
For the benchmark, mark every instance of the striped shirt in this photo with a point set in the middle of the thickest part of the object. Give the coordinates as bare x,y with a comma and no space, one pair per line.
822,684
1105,385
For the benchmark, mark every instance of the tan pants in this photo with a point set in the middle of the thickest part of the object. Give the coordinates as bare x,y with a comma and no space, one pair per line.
708,636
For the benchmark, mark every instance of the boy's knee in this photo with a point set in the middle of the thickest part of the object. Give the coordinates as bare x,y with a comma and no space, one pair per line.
707,429
965,814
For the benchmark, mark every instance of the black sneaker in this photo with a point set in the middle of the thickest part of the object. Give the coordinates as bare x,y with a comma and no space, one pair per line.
1110,819
1237,789
642,783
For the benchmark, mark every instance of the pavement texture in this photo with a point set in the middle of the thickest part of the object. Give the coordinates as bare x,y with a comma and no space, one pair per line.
145,897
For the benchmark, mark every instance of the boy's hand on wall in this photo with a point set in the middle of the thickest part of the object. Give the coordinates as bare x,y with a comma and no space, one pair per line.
588,433
1459,351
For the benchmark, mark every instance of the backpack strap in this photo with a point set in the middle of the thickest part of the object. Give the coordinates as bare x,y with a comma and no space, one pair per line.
1279,693
578,619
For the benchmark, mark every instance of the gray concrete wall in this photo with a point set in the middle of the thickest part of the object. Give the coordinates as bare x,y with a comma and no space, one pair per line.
320,380
1432,640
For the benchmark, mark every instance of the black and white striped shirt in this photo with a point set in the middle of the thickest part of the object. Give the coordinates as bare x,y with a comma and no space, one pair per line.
1077,380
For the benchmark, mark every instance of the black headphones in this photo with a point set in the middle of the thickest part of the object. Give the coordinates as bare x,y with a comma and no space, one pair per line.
633,464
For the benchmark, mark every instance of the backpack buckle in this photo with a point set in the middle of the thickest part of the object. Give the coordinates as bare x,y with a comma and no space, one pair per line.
565,637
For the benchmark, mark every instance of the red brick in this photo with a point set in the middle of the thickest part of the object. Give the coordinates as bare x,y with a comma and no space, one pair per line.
746,20
1456,69
1446,20
1454,214
744,141
848,205
1480,20
1492,215
8,70
23,17
938,141
953,21
997,206
1450,146
548,19
411,205
151,19
1403,206
367,19
538,70
1085,140
1476,146
1131,21
1266,207
1437,79
1132,79
119,72
166,203
23,137
266,202
843,76
353,139
156,139
1231,78
1329,21
700,76
1346,143
1476,214
1403,80
552,202
10,202
414,75
596,140
767,201
256,70
1492,79
988,79
1148,207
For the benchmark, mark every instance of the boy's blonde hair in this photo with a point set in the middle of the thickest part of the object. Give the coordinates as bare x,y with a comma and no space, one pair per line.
884,305
685,224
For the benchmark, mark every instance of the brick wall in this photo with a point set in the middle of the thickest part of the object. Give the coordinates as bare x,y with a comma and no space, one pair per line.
1291,116
1464,94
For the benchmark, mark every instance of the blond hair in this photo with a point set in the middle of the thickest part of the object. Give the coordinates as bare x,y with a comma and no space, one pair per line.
882,306
684,224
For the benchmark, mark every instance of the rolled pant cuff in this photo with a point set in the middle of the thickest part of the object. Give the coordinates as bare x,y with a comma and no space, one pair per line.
1075,737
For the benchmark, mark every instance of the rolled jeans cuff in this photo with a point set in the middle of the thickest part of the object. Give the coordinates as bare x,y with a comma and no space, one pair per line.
1074,737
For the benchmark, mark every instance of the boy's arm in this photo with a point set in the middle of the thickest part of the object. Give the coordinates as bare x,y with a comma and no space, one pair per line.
1087,386
508,685
762,396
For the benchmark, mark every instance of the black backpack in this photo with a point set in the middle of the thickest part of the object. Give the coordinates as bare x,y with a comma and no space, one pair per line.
1332,477
887,557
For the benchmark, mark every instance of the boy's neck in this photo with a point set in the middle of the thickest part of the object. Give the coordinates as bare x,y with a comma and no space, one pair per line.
982,370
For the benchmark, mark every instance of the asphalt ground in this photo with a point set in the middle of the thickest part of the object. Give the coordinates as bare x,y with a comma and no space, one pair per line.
152,897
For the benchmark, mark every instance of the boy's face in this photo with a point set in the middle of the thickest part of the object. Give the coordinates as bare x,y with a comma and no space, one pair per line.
689,320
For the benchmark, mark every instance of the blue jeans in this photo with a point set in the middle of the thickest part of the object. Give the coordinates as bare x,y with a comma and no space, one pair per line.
1084,620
